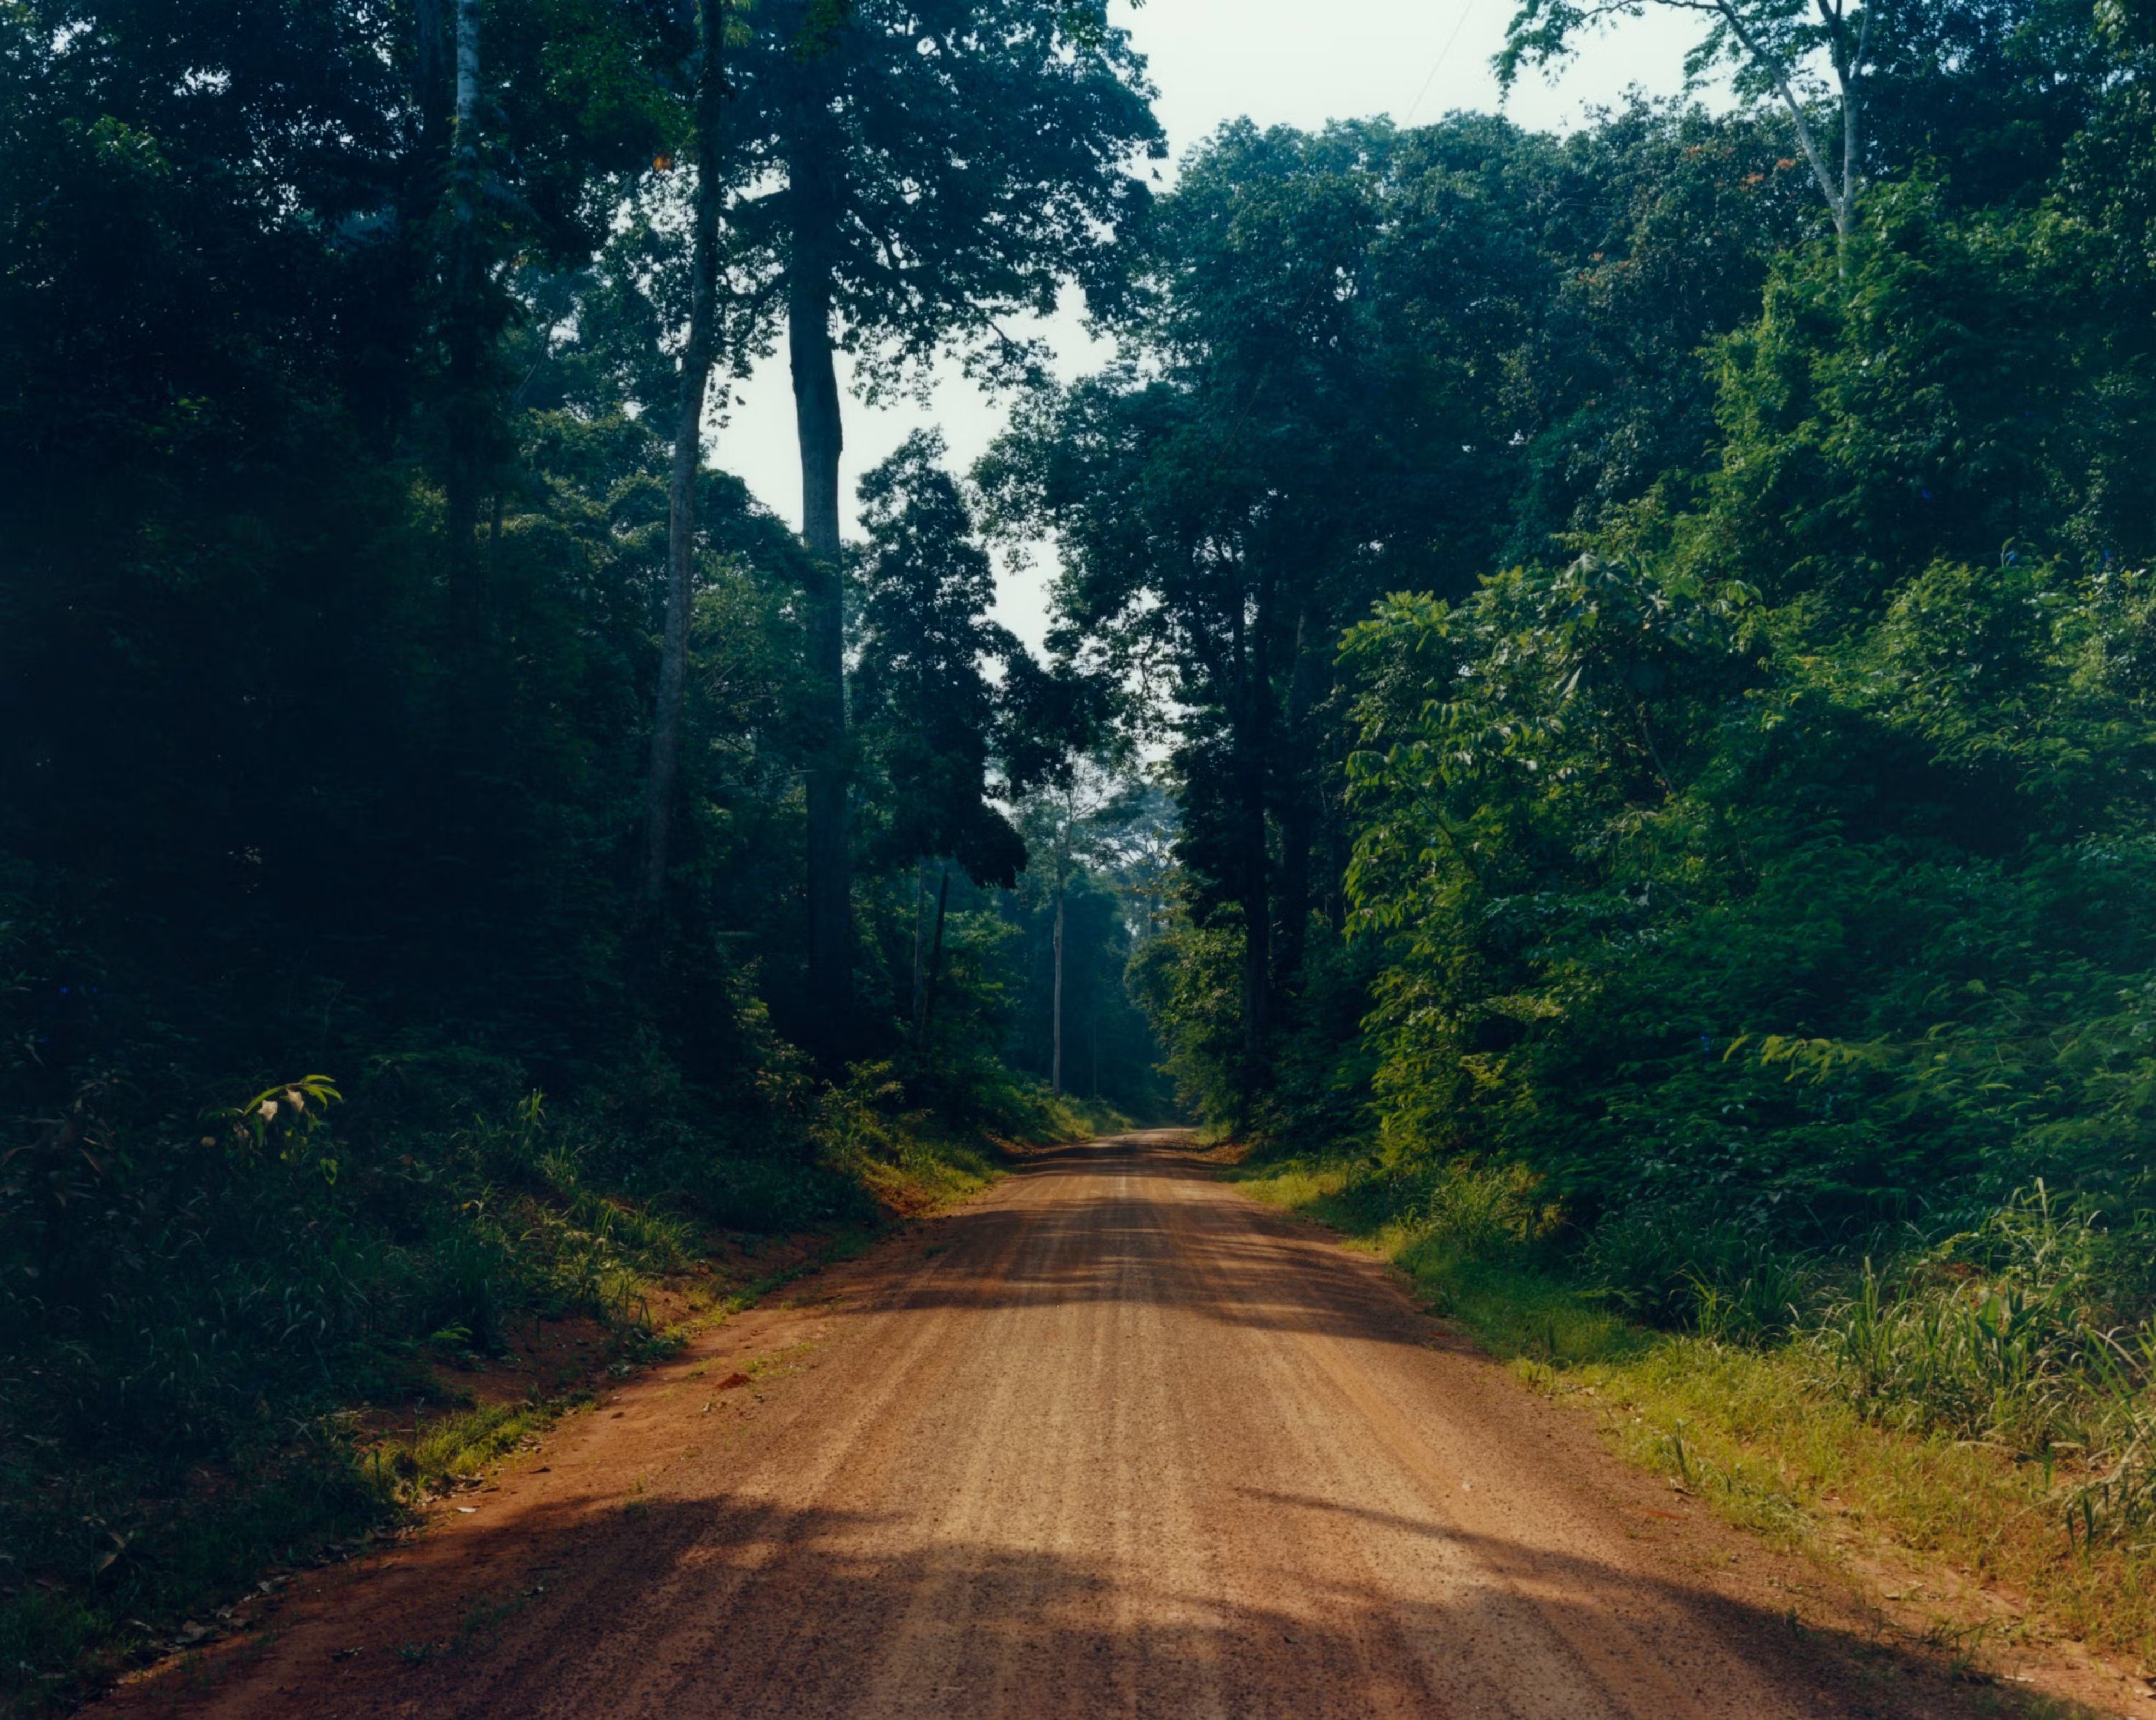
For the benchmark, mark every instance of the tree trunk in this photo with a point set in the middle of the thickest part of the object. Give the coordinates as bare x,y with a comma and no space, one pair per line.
1055,1058
467,76
1339,842
919,944
1252,739
466,419
1257,942
1299,792
421,196
1848,68
816,419
1297,826
431,79
688,456
1840,194
936,955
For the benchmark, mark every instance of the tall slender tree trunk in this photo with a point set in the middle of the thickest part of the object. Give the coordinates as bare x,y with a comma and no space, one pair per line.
467,132
1848,70
1056,1057
1257,938
422,187
1339,845
1297,827
919,944
1252,759
936,955
432,79
1848,61
696,362
466,419
1298,814
817,422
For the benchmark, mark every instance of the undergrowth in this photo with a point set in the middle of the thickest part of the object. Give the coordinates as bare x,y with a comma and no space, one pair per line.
1979,1393
223,1339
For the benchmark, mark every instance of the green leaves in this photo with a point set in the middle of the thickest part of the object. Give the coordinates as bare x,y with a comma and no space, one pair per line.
1781,850
289,1122
945,167
927,715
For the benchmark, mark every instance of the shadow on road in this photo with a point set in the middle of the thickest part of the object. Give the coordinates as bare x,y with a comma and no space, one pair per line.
695,1608
1142,1505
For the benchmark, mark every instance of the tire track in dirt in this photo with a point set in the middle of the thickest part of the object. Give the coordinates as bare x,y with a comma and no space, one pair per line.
1111,1439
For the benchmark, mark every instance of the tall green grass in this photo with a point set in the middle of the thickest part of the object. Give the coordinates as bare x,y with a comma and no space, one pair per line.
1986,1392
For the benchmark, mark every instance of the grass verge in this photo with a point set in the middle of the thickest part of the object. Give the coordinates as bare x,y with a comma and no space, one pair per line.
1759,1432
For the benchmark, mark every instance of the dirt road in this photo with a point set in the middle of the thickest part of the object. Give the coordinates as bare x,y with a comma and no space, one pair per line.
1111,1440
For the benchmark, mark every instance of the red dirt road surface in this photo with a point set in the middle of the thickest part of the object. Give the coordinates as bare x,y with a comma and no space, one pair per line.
1110,1440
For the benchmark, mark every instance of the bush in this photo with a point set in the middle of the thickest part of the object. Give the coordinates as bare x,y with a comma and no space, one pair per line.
1677,1266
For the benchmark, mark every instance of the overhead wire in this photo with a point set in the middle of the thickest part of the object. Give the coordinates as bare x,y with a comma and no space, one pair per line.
1443,53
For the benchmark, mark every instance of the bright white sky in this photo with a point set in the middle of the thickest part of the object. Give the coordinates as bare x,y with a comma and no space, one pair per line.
1279,62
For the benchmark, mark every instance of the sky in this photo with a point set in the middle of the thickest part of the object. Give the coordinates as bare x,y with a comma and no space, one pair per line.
1279,62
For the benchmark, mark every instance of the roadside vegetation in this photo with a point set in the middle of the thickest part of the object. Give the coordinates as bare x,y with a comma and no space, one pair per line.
1978,1395
225,1355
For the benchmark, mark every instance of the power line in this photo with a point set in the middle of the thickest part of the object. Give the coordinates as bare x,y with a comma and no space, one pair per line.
1466,12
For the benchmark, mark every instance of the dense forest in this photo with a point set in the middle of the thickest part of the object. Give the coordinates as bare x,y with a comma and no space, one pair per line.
1598,700
458,853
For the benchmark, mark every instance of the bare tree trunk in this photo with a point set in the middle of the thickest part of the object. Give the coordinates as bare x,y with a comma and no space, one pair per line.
920,944
1251,747
431,77
1297,826
466,416
1257,942
1055,1061
816,418
936,954
467,75
696,364
1339,845
1848,68
1840,194
1298,814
